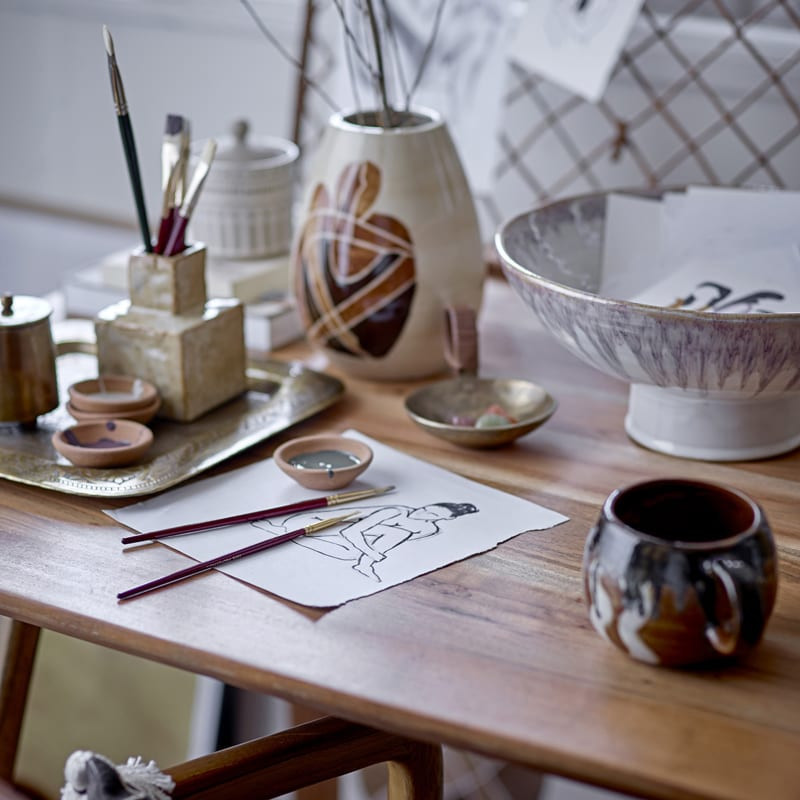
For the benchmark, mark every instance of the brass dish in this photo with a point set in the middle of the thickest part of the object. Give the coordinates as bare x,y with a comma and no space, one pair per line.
279,396
434,406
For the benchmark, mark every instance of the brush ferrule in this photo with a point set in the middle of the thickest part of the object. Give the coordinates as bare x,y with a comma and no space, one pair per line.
361,494
117,90
327,523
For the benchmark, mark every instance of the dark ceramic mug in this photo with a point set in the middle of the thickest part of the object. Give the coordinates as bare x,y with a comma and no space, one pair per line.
680,571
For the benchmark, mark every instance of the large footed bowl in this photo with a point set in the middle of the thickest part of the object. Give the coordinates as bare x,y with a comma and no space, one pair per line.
719,387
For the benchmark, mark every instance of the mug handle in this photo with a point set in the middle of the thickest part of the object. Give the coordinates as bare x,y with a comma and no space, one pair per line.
461,340
724,636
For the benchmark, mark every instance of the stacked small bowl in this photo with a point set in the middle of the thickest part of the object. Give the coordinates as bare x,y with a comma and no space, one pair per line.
113,397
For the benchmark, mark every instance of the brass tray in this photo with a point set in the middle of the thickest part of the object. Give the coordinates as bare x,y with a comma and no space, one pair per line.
279,396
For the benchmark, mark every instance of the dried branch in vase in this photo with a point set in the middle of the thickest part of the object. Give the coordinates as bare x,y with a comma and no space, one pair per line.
373,55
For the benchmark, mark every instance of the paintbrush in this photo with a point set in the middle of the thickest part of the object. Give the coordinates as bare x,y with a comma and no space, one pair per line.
176,241
205,566
254,516
128,144
171,153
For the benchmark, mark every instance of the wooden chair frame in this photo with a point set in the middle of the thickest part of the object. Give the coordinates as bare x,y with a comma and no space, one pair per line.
267,767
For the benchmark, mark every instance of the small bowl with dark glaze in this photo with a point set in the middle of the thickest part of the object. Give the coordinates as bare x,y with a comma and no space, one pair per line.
324,461
452,409
107,443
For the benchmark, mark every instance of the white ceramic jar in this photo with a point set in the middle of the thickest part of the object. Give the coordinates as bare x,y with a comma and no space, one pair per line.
245,209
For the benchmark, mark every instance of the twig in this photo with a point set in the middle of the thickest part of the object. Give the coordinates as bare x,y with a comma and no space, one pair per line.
426,55
351,38
392,37
376,38
351,71
287,55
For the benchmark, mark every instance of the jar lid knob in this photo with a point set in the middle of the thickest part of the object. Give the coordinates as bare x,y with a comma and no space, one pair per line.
240,130
8,302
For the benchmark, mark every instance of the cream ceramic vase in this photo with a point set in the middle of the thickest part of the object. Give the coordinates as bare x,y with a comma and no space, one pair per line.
387,243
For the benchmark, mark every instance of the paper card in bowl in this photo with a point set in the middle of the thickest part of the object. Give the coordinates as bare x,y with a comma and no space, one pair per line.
757,282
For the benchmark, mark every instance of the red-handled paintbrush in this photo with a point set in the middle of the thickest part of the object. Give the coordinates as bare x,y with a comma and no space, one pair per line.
205,566
176,241
171,169
254,516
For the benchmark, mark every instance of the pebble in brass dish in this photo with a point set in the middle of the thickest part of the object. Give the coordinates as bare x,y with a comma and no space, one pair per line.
435,407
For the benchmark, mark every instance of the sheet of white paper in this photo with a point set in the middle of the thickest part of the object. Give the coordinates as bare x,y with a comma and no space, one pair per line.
463,79
763,281
575,43
432,519
712,222
631,245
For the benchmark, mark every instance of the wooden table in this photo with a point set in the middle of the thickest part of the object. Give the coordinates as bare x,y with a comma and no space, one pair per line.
494,654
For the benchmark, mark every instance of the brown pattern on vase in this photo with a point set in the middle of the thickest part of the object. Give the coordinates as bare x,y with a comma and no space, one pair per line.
354,270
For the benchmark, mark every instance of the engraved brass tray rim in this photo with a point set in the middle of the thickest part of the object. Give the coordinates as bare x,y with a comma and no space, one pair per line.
301,393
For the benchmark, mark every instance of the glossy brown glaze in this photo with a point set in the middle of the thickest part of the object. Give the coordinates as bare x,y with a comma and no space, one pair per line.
679,572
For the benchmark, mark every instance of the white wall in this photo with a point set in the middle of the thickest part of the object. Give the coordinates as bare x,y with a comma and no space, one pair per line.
59,139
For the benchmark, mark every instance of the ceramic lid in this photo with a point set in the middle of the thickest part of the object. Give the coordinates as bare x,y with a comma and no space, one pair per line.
247,163
18,310
237,149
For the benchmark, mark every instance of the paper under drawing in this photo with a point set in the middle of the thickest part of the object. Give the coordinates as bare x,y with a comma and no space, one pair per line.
432,519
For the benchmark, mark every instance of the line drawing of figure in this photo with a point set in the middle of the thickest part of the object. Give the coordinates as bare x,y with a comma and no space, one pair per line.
377,531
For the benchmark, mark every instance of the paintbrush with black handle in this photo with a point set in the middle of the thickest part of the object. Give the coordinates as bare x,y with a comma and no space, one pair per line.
128,144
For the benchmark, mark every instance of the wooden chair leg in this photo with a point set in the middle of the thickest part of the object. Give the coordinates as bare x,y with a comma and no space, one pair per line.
327,790
419,775
20,653
306,755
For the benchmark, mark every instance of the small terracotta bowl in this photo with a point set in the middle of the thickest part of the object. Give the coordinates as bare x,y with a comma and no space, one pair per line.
110,443
143,414
112,394
318,450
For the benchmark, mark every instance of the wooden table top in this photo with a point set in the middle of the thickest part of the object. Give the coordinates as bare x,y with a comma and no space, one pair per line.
494,654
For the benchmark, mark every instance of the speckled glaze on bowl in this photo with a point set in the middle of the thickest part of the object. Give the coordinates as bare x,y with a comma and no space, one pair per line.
109,443
703,385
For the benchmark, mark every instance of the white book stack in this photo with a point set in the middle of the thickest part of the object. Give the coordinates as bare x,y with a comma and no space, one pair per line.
270,319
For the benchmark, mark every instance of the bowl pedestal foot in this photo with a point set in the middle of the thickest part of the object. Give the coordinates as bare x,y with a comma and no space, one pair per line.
713,427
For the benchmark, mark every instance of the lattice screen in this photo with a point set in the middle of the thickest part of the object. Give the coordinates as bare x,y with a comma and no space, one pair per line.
706,91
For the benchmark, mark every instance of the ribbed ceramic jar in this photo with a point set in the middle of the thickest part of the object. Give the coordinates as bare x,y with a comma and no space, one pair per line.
387,240
245,210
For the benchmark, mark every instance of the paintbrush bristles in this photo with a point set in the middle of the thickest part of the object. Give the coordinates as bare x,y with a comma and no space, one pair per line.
198,177
174,124
109,42
209,151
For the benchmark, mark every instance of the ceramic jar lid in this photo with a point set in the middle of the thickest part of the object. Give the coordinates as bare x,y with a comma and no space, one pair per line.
20,310
251,164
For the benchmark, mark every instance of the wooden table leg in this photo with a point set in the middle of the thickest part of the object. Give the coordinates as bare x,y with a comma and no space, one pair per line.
19,655
327,790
